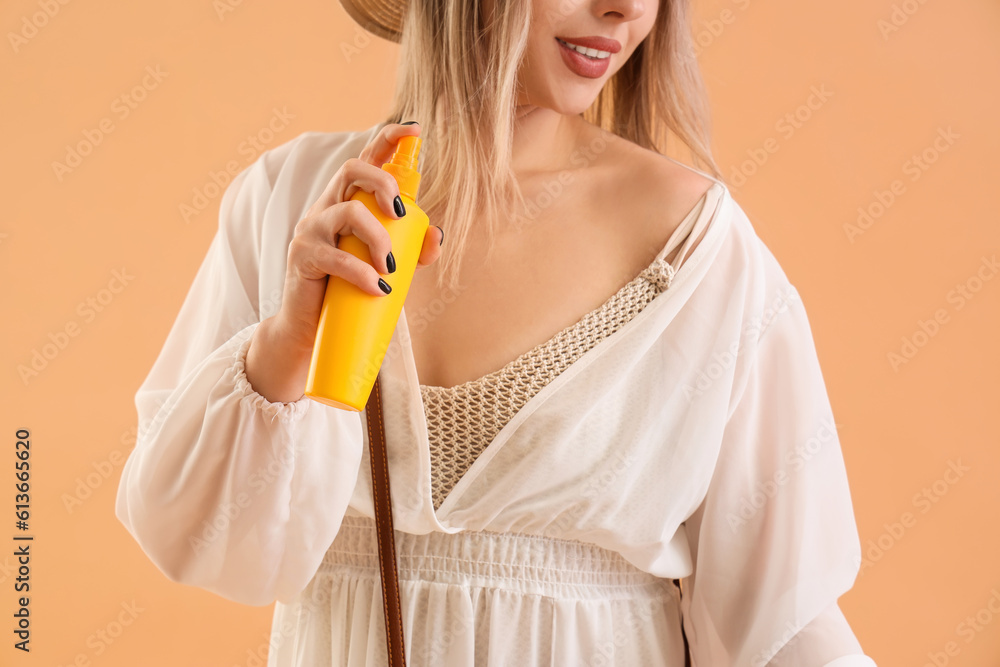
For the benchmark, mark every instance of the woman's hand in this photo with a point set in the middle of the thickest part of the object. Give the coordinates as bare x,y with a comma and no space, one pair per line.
278,358
313,253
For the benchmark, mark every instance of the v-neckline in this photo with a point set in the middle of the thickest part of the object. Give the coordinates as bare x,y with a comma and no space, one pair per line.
711,207
547,342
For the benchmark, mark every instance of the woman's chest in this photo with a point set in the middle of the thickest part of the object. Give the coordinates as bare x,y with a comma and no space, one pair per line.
543,276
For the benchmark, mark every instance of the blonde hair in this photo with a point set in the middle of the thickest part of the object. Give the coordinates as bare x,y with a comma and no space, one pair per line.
458,78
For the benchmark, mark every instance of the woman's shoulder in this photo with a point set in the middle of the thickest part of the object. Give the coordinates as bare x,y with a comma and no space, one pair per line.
657,189
739,267
672,188
676,188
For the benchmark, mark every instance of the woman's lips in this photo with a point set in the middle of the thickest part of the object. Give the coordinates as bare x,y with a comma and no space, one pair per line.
591,68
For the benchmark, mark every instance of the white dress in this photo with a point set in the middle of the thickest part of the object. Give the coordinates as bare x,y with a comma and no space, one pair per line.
695,442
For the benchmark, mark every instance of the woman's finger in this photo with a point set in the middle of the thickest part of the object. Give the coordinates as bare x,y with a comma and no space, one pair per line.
430,251
359,175
381,148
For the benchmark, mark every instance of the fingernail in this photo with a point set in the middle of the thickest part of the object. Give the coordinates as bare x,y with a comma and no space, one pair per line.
442,234
397,204
390,261
384,286
410,122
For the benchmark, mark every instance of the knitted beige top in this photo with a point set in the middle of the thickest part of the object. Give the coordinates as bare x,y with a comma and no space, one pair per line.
463,420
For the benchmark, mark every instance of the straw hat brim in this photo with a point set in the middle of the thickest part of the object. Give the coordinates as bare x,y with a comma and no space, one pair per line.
383,18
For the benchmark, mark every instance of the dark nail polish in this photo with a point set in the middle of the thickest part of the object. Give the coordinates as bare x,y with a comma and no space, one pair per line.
384,286
390,261
397,204
442,234
410,122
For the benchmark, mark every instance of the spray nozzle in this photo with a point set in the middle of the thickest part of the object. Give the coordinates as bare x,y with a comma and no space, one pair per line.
403,165
407,150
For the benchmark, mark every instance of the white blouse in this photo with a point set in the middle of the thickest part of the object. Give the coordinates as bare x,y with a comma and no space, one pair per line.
696,442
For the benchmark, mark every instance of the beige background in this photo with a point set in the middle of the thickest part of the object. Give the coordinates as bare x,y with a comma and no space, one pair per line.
887,96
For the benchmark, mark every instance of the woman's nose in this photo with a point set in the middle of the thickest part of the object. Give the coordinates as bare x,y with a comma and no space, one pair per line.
628,10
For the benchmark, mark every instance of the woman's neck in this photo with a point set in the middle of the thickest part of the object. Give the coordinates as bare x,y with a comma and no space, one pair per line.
543,139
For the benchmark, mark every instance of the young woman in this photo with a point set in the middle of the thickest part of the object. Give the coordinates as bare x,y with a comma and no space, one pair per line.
610,442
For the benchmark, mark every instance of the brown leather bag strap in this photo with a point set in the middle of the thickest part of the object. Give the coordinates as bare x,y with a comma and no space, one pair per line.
383,526
687,649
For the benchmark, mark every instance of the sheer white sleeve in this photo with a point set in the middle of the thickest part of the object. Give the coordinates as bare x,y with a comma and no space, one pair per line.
827,640
226,490
775,541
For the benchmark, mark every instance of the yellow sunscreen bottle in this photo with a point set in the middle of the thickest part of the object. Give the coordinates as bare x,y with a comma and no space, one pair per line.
354,326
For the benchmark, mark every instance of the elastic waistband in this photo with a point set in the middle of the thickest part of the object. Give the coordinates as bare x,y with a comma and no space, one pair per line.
512,561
